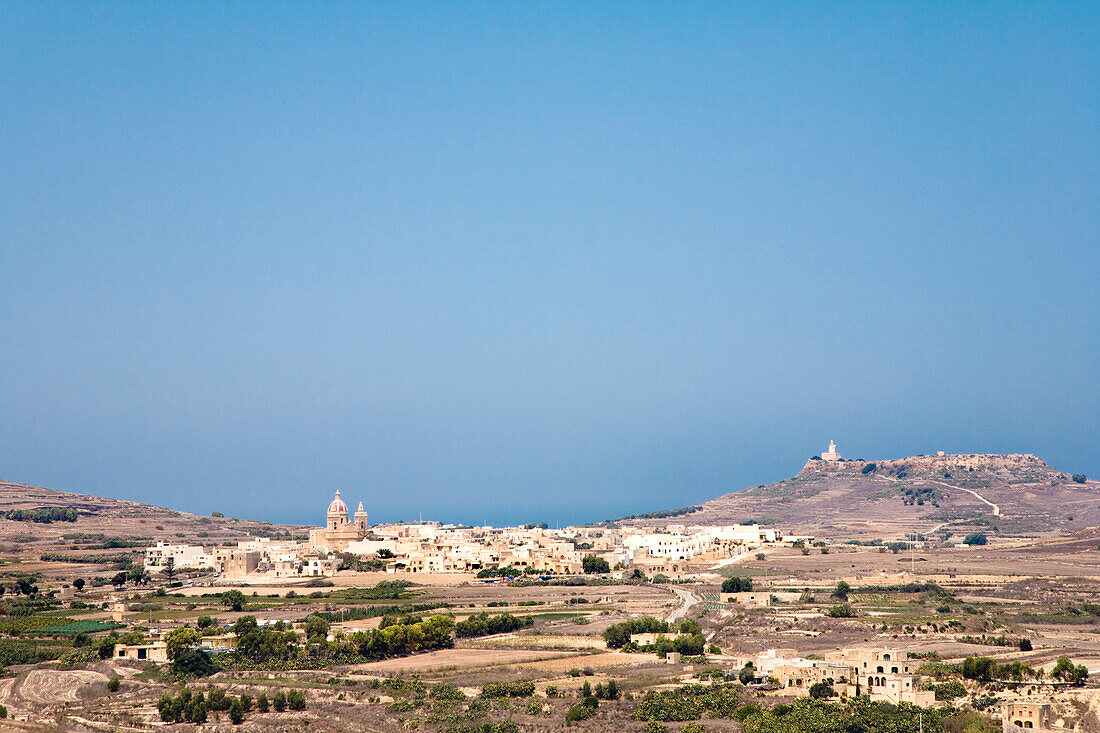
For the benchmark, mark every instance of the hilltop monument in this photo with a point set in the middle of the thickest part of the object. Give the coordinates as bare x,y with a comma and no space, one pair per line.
831,454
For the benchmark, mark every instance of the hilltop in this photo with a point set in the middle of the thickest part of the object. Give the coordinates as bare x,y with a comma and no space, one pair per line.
1010,495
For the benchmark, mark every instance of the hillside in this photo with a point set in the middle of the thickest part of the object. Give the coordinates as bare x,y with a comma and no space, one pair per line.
1010,495
110,525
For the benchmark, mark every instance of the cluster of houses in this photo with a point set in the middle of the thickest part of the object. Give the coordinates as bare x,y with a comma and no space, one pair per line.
884,674
436,548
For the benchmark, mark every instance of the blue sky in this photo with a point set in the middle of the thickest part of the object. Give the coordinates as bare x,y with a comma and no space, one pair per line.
539,262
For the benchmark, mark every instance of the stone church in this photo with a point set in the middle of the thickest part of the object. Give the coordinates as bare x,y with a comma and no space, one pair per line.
340,529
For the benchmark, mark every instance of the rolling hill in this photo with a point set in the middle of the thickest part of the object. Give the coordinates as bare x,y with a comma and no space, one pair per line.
107,525
1010,495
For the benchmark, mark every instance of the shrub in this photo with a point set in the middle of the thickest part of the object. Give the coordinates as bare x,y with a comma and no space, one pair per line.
113,684
583,710
516,688
950,690
841,610
1080,478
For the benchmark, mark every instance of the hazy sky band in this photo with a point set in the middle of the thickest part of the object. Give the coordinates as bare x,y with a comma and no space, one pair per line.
539,262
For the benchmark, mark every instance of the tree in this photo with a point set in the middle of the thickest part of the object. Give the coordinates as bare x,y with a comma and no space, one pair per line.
279,701
841,610
262,703
822,691
113,684
842,590
217,514
78,584
1025,645
747,674
1080,478
119,580
180,640
385,553
316,627
137,575
170,568
594,564
975,538
234,599
236,714
737,584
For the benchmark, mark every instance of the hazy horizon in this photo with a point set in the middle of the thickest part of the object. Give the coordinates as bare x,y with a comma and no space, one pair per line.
539,262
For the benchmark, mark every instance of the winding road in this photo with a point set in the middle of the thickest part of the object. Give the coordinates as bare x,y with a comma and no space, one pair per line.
996,509
681,612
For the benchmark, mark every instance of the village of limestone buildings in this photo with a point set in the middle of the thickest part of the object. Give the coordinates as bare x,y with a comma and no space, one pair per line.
430,547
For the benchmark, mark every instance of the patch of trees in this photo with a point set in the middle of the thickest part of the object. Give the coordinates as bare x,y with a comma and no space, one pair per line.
918,495
351,561
85,559
1080,478
841,610
986,669
435,632
808,715
262,644
362,612
996,641
482,624
42,515
736,584
508,571
194,707
1066,671
618,635
667,513
975,538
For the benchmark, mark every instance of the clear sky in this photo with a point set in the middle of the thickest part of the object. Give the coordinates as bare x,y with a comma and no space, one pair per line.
539,262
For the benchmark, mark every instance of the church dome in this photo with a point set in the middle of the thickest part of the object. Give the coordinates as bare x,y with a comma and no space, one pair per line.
338,506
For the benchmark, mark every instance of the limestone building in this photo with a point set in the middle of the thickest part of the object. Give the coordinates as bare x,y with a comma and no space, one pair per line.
831,454
340,530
